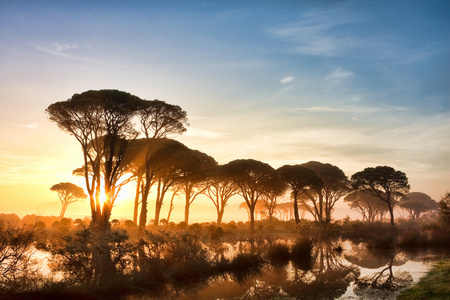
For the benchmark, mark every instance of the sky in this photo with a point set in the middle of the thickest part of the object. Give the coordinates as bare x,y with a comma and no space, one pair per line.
353,83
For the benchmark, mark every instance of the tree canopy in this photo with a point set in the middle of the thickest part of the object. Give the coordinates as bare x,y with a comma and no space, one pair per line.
102,122
417,203
368,205
383,182
299,178
68,193
252,177
335,185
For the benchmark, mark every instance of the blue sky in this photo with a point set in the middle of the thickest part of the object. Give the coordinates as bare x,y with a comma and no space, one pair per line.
353,83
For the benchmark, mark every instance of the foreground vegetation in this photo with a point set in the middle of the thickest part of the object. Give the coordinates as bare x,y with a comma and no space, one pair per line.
435,285
170,259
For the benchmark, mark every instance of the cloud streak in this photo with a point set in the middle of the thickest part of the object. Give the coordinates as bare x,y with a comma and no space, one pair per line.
344,109
202,133
62,50
287,79
314,33
32,126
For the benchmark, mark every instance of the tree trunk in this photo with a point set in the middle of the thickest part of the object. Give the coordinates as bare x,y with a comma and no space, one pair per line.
171,207
296,215
157,213
220,216
320,213
252,217
391,212
136,199
186,212
143,216
188,204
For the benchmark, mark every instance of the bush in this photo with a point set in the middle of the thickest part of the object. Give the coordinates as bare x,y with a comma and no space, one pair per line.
278,254
16,266
301,253
245,263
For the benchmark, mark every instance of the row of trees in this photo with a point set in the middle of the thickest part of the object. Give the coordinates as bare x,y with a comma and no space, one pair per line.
102,122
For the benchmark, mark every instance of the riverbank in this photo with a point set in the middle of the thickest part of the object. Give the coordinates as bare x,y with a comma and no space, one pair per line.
435,285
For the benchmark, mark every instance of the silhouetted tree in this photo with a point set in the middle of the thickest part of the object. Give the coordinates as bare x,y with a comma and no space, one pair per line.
285,211
334,186
252,177
444,209
169,157
101,122
16,255
368,205
175,191
276,187
383,182
156,164
299,178
158,119
68,193
192,176
417,203
220,188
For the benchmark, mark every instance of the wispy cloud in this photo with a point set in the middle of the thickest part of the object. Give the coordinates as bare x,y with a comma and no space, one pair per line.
64,50
32,126
339,74
337,77
344,109
314,33
287,79
202,133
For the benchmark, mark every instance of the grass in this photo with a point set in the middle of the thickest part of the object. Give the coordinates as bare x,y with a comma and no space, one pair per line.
435,285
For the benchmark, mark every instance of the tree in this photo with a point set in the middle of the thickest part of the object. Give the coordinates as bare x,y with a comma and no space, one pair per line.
252,177
101,121
334,186
383,182
158,120
168,158
220,188
158,170
368,205
299,178
276,187
192,176
444,209
68,193
417,203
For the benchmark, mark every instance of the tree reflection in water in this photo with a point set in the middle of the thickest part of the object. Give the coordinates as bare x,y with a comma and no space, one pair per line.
383,282
354,273
328,278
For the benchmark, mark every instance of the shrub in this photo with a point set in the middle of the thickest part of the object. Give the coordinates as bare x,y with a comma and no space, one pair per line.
301,253
245,263
16,266
278,254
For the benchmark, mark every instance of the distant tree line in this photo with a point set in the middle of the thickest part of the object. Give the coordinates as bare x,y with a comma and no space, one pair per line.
102,122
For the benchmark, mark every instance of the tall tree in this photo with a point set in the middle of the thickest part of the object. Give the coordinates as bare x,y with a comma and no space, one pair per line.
192,176
334,186
220,188
368,205
68,193
101,122
252,177
383,182
275,189
154,164
168,159
299,178
417,203
444,209
158,120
